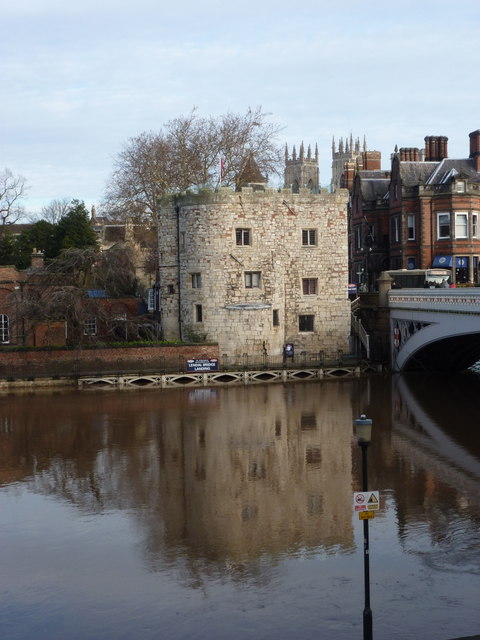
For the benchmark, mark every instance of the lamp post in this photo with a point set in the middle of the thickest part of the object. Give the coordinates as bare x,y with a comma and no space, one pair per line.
363,432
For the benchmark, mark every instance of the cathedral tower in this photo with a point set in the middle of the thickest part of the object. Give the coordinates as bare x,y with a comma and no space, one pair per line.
302,171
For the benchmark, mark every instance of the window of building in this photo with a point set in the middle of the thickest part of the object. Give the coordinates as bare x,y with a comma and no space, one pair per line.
90,327
443,225
309,286
196,280
474,225
461,225
309,237
4,329
242,237
395,229
170,288
305,323
151,299
357,231
411,226
198,313
275,318
182,239
252,279
460,187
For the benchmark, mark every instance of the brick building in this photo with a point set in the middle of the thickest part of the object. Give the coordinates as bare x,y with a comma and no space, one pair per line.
423,213
100,318
256,269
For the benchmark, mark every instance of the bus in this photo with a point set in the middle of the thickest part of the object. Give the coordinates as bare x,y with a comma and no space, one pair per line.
420,278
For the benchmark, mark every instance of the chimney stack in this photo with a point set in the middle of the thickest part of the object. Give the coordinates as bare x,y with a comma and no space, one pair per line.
409,154
436,148
475,148
36,259
372,160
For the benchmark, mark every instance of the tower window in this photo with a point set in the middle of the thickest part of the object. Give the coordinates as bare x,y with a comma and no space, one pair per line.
309,237
309,286
252,279
242,237
196,280
305,323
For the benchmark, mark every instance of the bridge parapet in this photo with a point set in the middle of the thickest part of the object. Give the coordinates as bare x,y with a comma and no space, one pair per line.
436,300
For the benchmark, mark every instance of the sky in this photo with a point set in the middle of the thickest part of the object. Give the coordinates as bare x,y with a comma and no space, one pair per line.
81,78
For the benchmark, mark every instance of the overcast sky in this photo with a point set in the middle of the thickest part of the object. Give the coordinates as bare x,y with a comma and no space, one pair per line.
80,78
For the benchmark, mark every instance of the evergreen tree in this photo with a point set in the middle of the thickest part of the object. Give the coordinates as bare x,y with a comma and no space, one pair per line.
74,229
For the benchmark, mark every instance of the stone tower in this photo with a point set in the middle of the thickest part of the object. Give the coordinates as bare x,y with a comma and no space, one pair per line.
302,171
256,269
348,152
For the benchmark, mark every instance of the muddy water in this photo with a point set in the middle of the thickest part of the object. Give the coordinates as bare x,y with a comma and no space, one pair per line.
227,512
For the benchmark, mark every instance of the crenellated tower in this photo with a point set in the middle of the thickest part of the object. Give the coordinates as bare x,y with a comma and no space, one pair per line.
302,171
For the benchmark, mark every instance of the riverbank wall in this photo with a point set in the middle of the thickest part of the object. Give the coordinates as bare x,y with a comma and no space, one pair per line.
161,366
52,364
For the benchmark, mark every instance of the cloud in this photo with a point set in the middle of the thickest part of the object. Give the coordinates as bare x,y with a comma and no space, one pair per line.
84,77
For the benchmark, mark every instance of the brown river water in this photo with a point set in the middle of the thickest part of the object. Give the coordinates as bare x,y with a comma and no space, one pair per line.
228,512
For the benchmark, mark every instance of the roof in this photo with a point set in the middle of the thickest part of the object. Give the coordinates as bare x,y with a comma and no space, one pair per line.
450,168
374,188
412,173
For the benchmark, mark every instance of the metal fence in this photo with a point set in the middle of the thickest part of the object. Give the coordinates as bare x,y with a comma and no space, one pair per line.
76,367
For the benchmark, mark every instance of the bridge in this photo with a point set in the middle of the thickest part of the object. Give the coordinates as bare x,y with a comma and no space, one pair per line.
434,329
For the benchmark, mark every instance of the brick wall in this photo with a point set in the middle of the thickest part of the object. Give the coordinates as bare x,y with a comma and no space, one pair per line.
68,362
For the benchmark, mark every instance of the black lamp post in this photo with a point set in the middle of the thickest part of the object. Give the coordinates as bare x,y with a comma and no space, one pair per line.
363,432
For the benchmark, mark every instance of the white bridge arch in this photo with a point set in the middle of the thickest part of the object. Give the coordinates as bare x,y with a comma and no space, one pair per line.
434,329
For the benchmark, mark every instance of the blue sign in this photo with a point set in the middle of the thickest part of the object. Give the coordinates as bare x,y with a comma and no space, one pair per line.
202,364
289,350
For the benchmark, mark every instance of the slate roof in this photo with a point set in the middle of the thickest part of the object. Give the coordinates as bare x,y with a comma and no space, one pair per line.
449,168
412,173
374,188
432,173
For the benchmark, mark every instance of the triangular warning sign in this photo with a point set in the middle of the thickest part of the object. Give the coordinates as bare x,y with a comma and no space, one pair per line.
373,499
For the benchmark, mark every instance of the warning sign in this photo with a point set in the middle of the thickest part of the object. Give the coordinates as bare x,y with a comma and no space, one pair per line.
366,515
366,500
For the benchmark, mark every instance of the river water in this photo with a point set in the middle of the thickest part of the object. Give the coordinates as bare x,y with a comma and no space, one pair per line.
228,512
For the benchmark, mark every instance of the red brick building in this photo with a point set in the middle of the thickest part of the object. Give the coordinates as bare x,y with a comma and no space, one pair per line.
98,318
422,214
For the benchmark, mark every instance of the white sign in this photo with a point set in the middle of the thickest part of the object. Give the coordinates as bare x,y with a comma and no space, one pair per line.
366,500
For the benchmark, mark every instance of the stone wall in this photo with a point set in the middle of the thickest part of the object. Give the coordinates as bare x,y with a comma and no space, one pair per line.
199,236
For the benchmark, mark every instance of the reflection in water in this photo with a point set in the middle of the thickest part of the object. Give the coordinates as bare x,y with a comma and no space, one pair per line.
249,487
229,475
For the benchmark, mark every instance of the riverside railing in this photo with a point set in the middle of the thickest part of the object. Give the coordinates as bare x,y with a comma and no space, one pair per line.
75,368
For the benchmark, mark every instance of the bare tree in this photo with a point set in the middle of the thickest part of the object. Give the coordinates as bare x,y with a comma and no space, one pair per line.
112,270
12,191
189,153
55,210
58,292
142,173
